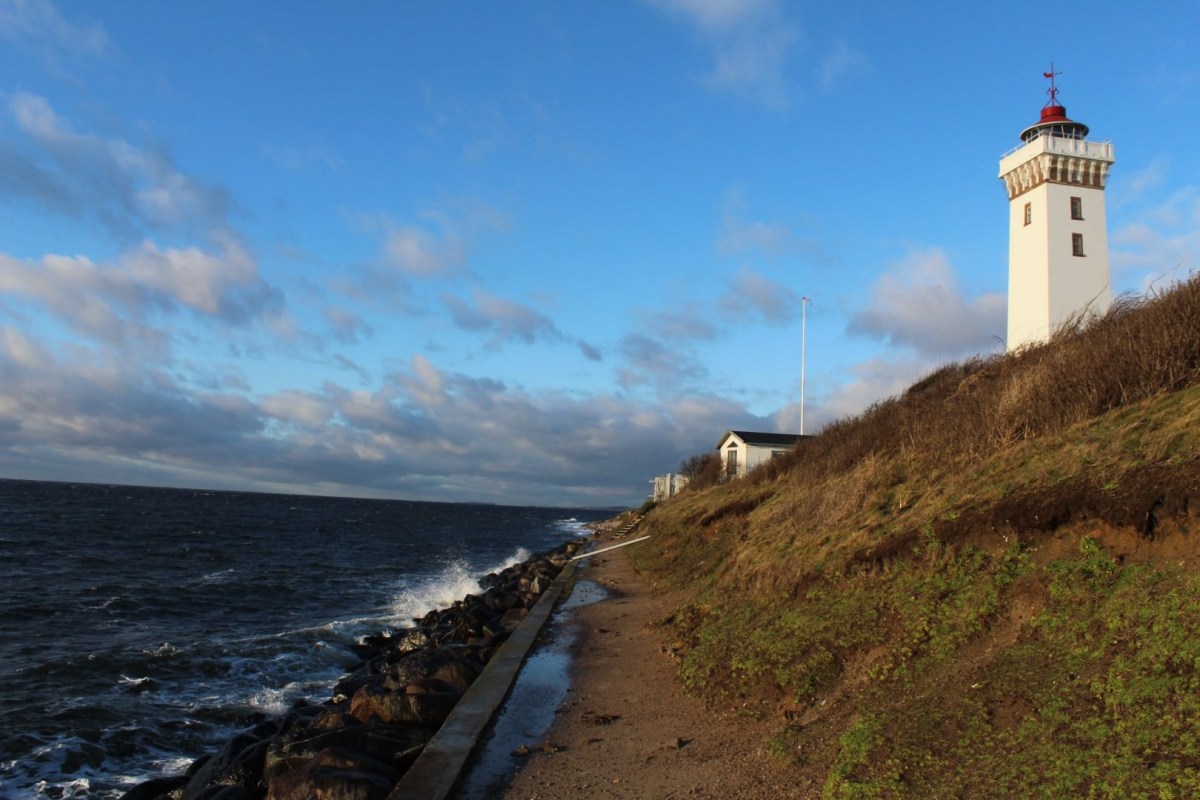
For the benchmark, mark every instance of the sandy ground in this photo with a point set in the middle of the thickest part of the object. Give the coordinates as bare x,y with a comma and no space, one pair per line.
626,728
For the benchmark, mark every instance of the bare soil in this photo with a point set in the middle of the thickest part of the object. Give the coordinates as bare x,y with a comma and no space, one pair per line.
628,730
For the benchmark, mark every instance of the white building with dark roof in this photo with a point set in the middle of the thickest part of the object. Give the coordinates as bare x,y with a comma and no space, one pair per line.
742,451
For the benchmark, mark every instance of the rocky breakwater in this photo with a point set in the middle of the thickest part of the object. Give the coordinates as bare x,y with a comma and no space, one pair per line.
359,743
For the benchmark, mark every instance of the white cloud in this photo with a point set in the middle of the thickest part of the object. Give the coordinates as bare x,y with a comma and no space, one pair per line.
1129,187
840,63
348,327
37,22
35,117
118,303
749,296
649,361
773,240
105,403
750,42
917,303
424,433
1161,243
79,293
686,321
298,408
438,242
416,252
20,351
507,320
719,15
204,282
127,189
661,354
753,295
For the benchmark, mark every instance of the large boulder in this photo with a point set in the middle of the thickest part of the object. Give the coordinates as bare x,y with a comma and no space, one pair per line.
230,793
390,707
500,600
405,640
395,745
419,665
336,773
238,763
329,783
459,673
344,689
336,717
156,788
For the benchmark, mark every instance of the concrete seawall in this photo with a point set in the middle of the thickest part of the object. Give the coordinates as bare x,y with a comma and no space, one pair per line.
436,771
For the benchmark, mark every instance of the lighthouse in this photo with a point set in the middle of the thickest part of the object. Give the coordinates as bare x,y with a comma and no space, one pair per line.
1057,231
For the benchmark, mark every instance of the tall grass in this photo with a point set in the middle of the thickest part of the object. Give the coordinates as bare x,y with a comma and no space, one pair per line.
870,471
867,485
1144,347
859,584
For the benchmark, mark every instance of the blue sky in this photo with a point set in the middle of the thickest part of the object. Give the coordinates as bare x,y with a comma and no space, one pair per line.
530,253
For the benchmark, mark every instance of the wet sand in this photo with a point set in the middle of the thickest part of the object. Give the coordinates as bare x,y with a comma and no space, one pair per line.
626,729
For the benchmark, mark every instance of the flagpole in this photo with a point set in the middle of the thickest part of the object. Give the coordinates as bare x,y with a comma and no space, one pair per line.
804,301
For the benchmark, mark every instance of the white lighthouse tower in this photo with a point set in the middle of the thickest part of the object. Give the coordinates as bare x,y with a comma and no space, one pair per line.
1057,233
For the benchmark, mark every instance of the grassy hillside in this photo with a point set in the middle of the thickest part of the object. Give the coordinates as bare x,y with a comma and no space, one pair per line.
987,587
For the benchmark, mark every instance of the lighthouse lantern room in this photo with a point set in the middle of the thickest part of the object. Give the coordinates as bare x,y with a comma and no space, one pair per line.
1057,231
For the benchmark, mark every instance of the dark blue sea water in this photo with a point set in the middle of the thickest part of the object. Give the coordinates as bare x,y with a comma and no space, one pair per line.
141,627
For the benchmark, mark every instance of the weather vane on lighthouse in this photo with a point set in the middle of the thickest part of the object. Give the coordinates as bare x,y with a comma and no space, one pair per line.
1053,90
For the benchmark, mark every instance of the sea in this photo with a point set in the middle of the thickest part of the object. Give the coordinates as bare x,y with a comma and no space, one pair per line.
140,628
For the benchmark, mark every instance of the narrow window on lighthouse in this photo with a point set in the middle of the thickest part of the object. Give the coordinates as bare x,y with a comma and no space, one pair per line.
1076,244
1028,213
1076,208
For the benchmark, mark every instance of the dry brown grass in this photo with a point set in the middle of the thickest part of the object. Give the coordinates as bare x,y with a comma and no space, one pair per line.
922,585
896,466
1144,347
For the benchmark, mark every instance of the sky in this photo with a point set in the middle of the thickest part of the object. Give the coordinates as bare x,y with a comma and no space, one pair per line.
532,252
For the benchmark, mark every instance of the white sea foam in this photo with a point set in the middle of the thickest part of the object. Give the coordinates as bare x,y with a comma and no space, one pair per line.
274,684
135,683
220,576
171,765
80,787
40,775
573,526
457,580
80,763
516,558
415,598
163,650
276,701
334,628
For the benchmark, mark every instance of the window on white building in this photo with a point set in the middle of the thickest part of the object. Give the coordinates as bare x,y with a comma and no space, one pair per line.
1028,213
1076,208
1076,244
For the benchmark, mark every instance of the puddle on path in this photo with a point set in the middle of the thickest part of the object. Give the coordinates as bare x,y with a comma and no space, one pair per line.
526,716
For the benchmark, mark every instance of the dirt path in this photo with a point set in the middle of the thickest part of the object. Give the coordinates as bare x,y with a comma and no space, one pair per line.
626,729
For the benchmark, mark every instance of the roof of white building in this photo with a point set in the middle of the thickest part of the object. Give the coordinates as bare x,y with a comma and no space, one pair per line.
763,439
